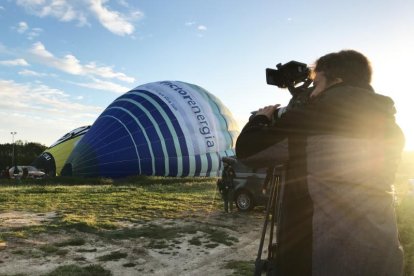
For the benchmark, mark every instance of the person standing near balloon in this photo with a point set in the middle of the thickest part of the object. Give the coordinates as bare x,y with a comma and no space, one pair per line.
226,187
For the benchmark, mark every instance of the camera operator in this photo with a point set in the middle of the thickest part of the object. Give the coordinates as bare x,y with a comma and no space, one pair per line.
343,151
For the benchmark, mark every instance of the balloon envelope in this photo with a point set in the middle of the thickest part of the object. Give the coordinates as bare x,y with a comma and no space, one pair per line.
52,160
166,128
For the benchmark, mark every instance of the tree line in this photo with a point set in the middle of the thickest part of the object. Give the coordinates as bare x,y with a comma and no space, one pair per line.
24,153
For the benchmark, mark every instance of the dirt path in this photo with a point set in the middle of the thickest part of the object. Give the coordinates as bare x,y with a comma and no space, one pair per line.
201,262
187,254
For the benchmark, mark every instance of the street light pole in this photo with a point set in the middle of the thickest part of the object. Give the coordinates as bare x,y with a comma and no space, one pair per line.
13,133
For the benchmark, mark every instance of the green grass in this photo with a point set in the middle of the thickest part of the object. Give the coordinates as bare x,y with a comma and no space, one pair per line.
219,236
49,249
113,256
71,242
240,268
195,241
152,231
74,270
89,207
53,250
101,209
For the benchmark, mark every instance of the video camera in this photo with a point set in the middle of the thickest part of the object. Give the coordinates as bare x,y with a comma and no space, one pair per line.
295,76
288,75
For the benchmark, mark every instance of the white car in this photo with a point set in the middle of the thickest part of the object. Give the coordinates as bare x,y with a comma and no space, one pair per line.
32,172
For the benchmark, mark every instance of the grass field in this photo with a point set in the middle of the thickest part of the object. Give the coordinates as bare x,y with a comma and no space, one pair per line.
105,209
105,204
102,207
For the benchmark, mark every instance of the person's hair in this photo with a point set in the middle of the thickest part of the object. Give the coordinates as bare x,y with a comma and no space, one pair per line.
349,65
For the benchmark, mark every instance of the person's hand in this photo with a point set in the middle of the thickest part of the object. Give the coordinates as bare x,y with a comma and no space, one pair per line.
267,111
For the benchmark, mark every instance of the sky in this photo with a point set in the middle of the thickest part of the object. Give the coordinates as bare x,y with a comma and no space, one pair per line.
62,62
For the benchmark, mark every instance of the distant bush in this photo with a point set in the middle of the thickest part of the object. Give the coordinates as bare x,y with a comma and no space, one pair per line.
59,180
140,180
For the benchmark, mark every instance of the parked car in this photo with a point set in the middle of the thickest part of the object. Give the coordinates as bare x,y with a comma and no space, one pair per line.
248,184
25,172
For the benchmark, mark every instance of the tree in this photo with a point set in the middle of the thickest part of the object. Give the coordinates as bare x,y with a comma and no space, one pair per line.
25,153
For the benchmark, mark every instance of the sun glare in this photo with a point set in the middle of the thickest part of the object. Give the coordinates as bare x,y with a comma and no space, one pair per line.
389,78
405,123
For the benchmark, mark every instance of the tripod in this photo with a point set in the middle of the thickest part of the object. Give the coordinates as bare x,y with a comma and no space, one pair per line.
274,215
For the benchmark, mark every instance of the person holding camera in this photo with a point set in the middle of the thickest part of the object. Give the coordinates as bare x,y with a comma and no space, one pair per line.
343,148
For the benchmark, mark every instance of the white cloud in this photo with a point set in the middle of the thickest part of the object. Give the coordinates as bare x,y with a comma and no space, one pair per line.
112,20
40,50
22,27
105,85
106,72
14,62
71,65
39,98
61,9
79,10
32,73
36,110
202,28
33,33
199,27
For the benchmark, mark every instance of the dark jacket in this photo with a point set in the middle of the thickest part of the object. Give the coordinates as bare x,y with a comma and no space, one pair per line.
343,150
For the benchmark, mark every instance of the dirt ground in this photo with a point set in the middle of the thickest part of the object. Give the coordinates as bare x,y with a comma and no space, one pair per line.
22,255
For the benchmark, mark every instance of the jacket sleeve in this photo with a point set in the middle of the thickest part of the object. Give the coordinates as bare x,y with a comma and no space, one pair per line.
260,135
256,136
317,116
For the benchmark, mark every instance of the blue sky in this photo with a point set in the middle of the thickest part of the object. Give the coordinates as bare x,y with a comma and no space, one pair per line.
62,62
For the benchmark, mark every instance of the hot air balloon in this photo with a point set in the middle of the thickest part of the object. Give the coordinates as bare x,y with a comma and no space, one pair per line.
51,161
166,128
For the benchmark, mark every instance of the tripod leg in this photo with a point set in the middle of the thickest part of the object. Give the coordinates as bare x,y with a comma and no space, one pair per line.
260,264
273,262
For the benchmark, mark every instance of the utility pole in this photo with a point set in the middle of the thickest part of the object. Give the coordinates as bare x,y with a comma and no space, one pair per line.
13,133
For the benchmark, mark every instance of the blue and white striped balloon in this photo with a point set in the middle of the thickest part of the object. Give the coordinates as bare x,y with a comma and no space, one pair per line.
166,128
